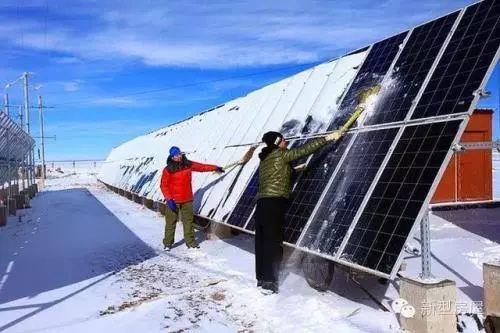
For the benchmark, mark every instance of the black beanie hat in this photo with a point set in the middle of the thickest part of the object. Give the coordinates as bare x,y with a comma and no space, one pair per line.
272,139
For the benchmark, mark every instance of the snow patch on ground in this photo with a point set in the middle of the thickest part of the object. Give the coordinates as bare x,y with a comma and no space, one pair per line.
488,255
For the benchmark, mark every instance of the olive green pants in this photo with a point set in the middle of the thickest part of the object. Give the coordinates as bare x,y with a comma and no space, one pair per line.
186,215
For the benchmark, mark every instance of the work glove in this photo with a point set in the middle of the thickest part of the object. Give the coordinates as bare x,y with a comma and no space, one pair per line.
219,169
334,136
172,205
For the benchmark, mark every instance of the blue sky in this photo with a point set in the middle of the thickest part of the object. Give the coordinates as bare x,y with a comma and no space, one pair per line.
90,57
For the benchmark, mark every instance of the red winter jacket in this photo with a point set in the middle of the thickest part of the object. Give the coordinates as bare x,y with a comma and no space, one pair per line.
177,185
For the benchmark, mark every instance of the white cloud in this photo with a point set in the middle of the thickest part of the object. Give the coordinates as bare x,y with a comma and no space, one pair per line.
114,101
71,86
217,34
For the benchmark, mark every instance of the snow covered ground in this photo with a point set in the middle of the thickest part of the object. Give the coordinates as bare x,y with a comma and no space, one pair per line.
83,259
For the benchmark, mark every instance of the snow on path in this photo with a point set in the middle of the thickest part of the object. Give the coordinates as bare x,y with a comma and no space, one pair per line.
85,260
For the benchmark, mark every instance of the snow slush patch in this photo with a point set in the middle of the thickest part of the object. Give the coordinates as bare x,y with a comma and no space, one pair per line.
389,87
488,254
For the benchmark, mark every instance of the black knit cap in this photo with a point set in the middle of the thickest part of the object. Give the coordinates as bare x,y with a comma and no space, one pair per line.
272,139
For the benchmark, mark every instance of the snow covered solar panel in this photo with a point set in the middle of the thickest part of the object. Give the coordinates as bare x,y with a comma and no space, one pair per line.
342,199
343,71
464,63
411,69
389,215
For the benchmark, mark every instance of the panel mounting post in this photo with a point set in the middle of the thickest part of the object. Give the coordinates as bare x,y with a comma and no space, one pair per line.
425,241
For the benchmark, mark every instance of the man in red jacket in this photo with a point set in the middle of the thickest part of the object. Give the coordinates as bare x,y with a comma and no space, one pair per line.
177,190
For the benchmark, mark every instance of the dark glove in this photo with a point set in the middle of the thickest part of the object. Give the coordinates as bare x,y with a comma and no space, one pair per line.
172,205
219,169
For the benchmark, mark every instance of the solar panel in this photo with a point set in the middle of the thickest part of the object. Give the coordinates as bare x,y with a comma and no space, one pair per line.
411,69
358,200
464,63
390,213
246,203
307,190
343,70
344,196
372,72
304,198
310,186
15,144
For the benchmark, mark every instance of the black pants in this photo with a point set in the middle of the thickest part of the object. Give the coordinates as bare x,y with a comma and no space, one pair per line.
269,221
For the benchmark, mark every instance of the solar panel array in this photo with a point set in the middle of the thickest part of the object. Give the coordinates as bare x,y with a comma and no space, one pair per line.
358,200
374,239
15,144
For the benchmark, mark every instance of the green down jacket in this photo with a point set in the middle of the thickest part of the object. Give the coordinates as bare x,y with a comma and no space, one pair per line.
275,171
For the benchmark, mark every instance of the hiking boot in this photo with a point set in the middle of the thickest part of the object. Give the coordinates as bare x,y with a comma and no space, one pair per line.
167,248
193,246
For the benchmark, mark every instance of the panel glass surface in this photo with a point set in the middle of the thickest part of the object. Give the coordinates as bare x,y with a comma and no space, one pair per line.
411,69
464,63
344,196
390,213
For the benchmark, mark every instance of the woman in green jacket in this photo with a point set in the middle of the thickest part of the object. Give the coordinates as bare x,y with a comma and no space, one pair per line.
275,174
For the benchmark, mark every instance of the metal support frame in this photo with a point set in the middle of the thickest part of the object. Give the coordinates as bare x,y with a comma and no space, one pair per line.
425,244
480,145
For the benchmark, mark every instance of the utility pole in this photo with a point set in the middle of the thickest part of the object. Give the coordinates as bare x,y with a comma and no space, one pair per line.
27,118
42,138
9,173
23,168
6,101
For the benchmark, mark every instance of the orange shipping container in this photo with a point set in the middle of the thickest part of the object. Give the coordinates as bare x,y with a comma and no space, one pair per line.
468,176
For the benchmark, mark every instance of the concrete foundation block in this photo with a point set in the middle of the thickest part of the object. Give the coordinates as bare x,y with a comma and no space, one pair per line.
434,302
137,198
3,194
218,231
12,206
27,201
29,192
491,285
19,201
3,215
148,203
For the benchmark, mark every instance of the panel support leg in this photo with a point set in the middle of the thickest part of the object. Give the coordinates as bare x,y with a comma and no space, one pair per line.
425,239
